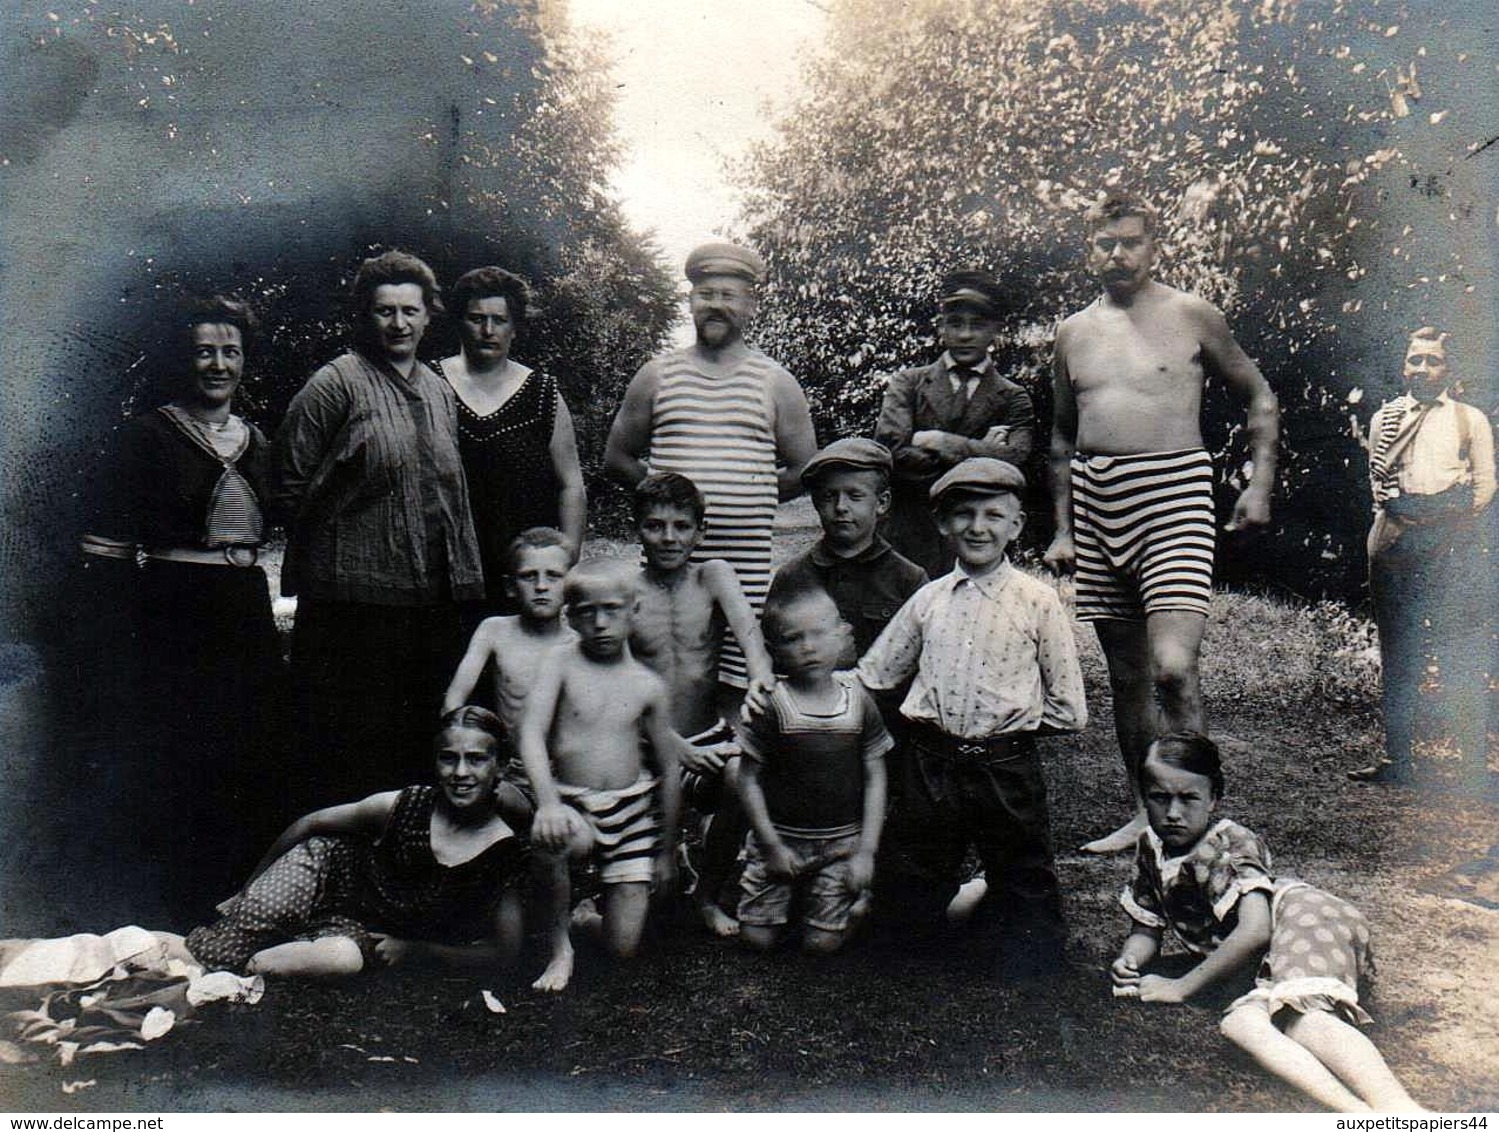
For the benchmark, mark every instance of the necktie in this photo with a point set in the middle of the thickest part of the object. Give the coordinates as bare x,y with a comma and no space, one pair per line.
967,378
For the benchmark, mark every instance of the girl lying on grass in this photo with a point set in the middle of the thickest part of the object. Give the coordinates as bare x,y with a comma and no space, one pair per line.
425,872
1210,883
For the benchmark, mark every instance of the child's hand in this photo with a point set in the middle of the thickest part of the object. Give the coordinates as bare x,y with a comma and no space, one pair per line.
756,701
707,760
780,862
1155,988
392,951
561,829
1125,977
861,870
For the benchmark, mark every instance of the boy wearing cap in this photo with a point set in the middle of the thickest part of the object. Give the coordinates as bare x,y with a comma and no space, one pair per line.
994,665
959,406
849,482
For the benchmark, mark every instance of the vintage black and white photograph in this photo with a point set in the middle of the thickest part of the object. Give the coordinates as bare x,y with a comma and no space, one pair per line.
697,555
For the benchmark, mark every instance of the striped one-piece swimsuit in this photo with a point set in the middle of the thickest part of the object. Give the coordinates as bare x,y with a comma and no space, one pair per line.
716,430
1143,527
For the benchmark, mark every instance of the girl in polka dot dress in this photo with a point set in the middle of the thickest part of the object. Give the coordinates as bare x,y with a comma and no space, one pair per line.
427,872
1209,882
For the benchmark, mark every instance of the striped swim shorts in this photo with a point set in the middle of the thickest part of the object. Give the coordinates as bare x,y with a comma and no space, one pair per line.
626,828
1143,528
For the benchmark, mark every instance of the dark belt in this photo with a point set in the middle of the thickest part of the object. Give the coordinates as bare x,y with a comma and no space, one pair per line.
998,748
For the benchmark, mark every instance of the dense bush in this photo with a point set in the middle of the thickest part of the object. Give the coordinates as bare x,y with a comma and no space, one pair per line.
1306,156
155,148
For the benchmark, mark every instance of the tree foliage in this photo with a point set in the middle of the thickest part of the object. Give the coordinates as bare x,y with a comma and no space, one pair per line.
153,149
1307,158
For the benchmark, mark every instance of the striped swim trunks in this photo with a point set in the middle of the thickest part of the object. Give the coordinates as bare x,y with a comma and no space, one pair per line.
1143,527
626,828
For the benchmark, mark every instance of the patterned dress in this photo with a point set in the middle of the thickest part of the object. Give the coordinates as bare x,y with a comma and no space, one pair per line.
718,431
1319,944
350,886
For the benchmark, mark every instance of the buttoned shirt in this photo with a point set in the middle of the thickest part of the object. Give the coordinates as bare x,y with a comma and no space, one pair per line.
1443,452
965,379
868,588
992,654
366,472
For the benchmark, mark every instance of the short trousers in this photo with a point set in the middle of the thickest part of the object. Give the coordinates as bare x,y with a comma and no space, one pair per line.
626,828
823,877
1319,949
704,792
1143,529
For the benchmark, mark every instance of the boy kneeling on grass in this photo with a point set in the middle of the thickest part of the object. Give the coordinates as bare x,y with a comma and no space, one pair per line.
586,716
813,780
683,611
994,664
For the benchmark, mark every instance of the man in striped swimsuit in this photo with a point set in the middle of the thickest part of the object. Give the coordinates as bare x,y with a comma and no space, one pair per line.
725,416
1133,484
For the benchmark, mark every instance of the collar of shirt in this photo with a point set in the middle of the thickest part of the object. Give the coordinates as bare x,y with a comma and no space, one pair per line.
989,584
950,367
822,556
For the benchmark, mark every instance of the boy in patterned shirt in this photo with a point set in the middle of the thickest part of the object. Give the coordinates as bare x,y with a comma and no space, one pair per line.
994,665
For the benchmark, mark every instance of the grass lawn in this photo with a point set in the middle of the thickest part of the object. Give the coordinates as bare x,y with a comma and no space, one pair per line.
699,1023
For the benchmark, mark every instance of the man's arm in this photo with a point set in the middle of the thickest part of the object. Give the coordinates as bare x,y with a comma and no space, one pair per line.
481,647
1061,555
1224,356
630,436
312,419
1480,456
796,439
572,500
723,587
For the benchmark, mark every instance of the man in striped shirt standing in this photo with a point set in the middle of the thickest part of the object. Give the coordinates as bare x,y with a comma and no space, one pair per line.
1133,485
725,416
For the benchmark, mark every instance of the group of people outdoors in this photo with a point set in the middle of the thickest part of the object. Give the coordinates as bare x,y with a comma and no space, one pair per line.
845,733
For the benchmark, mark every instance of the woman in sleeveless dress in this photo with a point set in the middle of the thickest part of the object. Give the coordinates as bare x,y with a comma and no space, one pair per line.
515,434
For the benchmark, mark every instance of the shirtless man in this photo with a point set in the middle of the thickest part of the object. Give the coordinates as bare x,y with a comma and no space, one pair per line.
1133,485
587,714
679,629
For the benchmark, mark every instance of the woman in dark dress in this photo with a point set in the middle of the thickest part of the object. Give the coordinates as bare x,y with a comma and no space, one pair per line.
190,655
515,434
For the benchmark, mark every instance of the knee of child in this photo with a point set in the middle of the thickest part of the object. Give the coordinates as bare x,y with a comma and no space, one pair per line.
758,937
1240,1026
818,941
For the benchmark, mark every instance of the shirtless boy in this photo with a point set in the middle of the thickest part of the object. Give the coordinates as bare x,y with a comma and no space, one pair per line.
684,609
1133,485
515,645
590,709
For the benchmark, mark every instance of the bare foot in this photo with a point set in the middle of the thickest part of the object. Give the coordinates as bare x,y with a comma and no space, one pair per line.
557,974
1121,839
586,916
719,922
960,908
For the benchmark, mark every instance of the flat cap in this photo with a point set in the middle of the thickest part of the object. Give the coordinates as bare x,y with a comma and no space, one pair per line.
850,452
722,258
980,475
972,290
